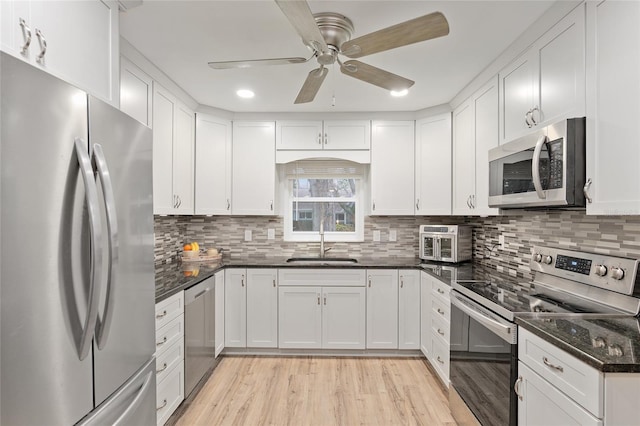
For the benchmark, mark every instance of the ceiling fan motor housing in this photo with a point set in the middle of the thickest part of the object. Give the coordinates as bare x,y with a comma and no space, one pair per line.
335,29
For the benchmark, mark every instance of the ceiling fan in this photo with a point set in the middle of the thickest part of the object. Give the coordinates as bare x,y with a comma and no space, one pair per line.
328,35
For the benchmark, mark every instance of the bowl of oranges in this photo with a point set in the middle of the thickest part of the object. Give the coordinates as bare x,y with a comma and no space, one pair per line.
191,250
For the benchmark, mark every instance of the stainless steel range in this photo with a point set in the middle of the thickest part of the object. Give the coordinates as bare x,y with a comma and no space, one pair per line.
484,366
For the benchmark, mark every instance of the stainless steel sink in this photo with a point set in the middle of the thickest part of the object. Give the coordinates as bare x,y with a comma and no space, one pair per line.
323,261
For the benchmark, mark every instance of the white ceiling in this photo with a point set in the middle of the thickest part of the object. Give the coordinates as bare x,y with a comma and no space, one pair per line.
180,37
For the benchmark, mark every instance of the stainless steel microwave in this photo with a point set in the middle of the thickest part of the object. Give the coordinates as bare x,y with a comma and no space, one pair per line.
545,169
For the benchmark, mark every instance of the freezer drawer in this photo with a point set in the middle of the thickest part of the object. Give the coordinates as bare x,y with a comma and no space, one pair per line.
132,404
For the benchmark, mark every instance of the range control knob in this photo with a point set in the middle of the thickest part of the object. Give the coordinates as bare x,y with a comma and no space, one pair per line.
601,270
537,257
617,273
547,259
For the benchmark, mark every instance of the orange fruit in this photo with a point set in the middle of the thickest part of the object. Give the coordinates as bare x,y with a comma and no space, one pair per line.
187,247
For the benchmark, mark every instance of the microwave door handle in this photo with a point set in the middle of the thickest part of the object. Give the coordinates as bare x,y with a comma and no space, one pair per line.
436,248
535,167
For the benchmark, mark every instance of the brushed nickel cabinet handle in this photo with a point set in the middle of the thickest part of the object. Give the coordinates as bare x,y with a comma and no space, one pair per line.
440,360
43,46
440,311
440,291
585,190
26,36
164,404
162,315
440,332
318,299
516,387
164,340
228,204
325,301
164,367
369,280
320,138
274,282
242,281
548,364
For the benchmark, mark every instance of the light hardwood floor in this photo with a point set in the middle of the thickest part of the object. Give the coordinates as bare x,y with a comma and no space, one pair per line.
319,391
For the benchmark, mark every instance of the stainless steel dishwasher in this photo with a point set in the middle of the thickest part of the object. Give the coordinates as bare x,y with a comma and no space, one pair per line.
199,333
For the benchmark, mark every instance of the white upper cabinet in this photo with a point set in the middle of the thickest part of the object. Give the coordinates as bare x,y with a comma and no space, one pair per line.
213,165
613,107
136,92
475,132
392,164
173,145
547,82
433,165
317,135
74,40
253,168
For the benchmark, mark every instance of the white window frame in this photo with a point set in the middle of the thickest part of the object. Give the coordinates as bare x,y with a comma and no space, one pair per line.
288,199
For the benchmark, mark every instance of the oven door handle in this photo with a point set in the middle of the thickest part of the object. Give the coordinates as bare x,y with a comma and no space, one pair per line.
535,167
506,332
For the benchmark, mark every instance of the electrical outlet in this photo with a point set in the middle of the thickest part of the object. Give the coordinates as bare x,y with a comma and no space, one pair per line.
393,235
271,234
247,235
376,235
501,241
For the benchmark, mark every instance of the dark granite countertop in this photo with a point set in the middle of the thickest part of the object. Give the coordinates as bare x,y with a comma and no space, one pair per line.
607,343
173,277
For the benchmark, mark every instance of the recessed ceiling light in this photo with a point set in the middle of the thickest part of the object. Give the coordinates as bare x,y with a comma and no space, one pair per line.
398,93
245,93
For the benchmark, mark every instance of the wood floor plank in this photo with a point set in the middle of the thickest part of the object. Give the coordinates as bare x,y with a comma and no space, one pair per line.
319,391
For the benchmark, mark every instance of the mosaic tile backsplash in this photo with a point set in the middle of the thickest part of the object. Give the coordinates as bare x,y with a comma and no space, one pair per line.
618,235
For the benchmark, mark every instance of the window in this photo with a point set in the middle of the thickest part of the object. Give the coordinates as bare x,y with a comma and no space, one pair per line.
323,193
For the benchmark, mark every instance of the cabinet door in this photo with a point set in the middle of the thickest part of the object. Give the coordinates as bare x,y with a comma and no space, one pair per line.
300,317
392,162
299,135
409,309
517,96
343,318
540,403
235,308
613,107
425,314
382,309
183,158
560,55
164,105
486,137
347,135
213,166
262,308
254,168
433,166
219,312
12,38
464,158
82,43
136,92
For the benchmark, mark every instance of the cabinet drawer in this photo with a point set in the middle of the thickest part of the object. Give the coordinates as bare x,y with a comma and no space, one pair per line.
440,328
169,358
440,289
322,277
169,309
169,334
440,309
576,379
440,359
169,393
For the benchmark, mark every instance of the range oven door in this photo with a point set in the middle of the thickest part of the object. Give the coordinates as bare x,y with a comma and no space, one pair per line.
484,361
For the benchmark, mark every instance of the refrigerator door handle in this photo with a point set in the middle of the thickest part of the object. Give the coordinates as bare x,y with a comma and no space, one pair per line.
83,342
136,401
103,322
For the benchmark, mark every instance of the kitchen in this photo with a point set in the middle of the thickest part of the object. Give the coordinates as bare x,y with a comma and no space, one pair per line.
248,217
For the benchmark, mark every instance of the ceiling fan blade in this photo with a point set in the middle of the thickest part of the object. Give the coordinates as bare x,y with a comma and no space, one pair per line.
300,16
375,76
311,85
249,63
415,30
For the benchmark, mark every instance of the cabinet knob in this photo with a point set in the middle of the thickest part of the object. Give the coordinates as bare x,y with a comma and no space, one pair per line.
26,36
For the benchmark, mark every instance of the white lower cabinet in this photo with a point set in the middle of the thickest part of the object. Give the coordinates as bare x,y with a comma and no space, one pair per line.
169,356
235,308
382,309
438,337
262,308
321,309
219,312
409,309
425,314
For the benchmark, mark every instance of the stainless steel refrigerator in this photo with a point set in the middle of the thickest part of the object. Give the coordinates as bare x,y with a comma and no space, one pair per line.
77,279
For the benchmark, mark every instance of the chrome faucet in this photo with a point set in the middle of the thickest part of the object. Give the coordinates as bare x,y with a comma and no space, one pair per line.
322,249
